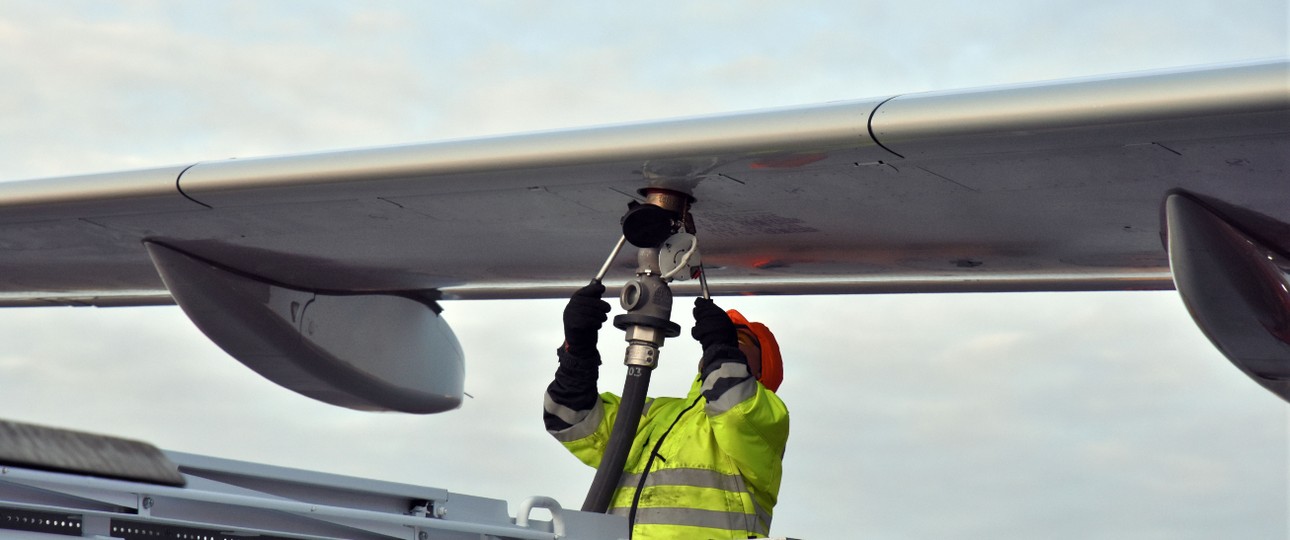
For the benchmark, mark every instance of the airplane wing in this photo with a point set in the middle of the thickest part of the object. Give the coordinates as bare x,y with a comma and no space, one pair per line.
1049,186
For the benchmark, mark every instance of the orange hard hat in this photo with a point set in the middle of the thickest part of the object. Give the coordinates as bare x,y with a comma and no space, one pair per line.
772,364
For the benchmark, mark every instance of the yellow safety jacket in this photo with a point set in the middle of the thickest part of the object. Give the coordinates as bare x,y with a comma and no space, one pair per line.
696,469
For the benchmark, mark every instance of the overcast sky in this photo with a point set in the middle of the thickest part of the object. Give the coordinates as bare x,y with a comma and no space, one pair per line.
1074,415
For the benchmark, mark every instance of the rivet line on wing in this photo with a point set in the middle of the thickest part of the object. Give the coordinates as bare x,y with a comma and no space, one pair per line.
874,136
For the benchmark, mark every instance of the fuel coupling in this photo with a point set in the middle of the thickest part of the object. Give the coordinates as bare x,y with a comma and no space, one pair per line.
648,321
647,298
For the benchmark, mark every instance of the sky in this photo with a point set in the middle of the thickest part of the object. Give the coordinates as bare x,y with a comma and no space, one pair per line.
1052,415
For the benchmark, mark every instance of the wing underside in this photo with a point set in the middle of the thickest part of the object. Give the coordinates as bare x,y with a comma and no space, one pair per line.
1053,186
1043,187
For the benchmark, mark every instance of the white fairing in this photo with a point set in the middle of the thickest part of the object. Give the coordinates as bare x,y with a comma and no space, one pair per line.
377,352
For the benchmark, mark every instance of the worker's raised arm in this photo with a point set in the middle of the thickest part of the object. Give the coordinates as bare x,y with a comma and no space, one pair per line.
749,422
573,411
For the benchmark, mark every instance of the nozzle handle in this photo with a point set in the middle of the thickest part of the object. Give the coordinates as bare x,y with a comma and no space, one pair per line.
703,282
604,269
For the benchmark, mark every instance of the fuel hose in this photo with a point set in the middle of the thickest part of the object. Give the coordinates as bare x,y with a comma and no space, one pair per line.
610,470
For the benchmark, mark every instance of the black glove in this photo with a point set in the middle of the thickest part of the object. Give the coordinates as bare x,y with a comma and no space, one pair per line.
712,326
582,319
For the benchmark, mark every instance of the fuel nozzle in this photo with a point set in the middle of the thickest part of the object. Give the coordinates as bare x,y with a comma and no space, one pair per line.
648,302
647,298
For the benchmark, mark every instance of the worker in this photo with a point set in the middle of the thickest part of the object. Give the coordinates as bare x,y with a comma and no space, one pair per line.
704,466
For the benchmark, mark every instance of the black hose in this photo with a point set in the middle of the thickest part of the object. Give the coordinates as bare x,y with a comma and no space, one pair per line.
610,471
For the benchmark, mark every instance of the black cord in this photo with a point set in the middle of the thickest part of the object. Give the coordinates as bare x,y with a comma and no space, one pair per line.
636,499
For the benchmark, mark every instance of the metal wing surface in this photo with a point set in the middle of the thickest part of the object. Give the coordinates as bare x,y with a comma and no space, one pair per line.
323,272
1053,186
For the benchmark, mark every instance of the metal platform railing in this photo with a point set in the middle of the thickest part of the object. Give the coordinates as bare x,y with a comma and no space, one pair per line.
233,500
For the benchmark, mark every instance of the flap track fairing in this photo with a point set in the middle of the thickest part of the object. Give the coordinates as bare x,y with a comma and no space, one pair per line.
365,351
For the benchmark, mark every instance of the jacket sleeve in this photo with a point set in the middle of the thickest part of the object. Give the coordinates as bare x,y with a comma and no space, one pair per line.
750,423
574,413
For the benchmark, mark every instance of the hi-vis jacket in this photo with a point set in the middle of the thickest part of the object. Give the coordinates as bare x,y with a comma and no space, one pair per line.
704,466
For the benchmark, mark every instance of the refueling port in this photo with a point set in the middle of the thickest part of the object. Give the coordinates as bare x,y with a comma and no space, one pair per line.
664,212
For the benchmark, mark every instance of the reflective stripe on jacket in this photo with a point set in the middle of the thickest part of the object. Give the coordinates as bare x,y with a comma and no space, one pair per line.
717,469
